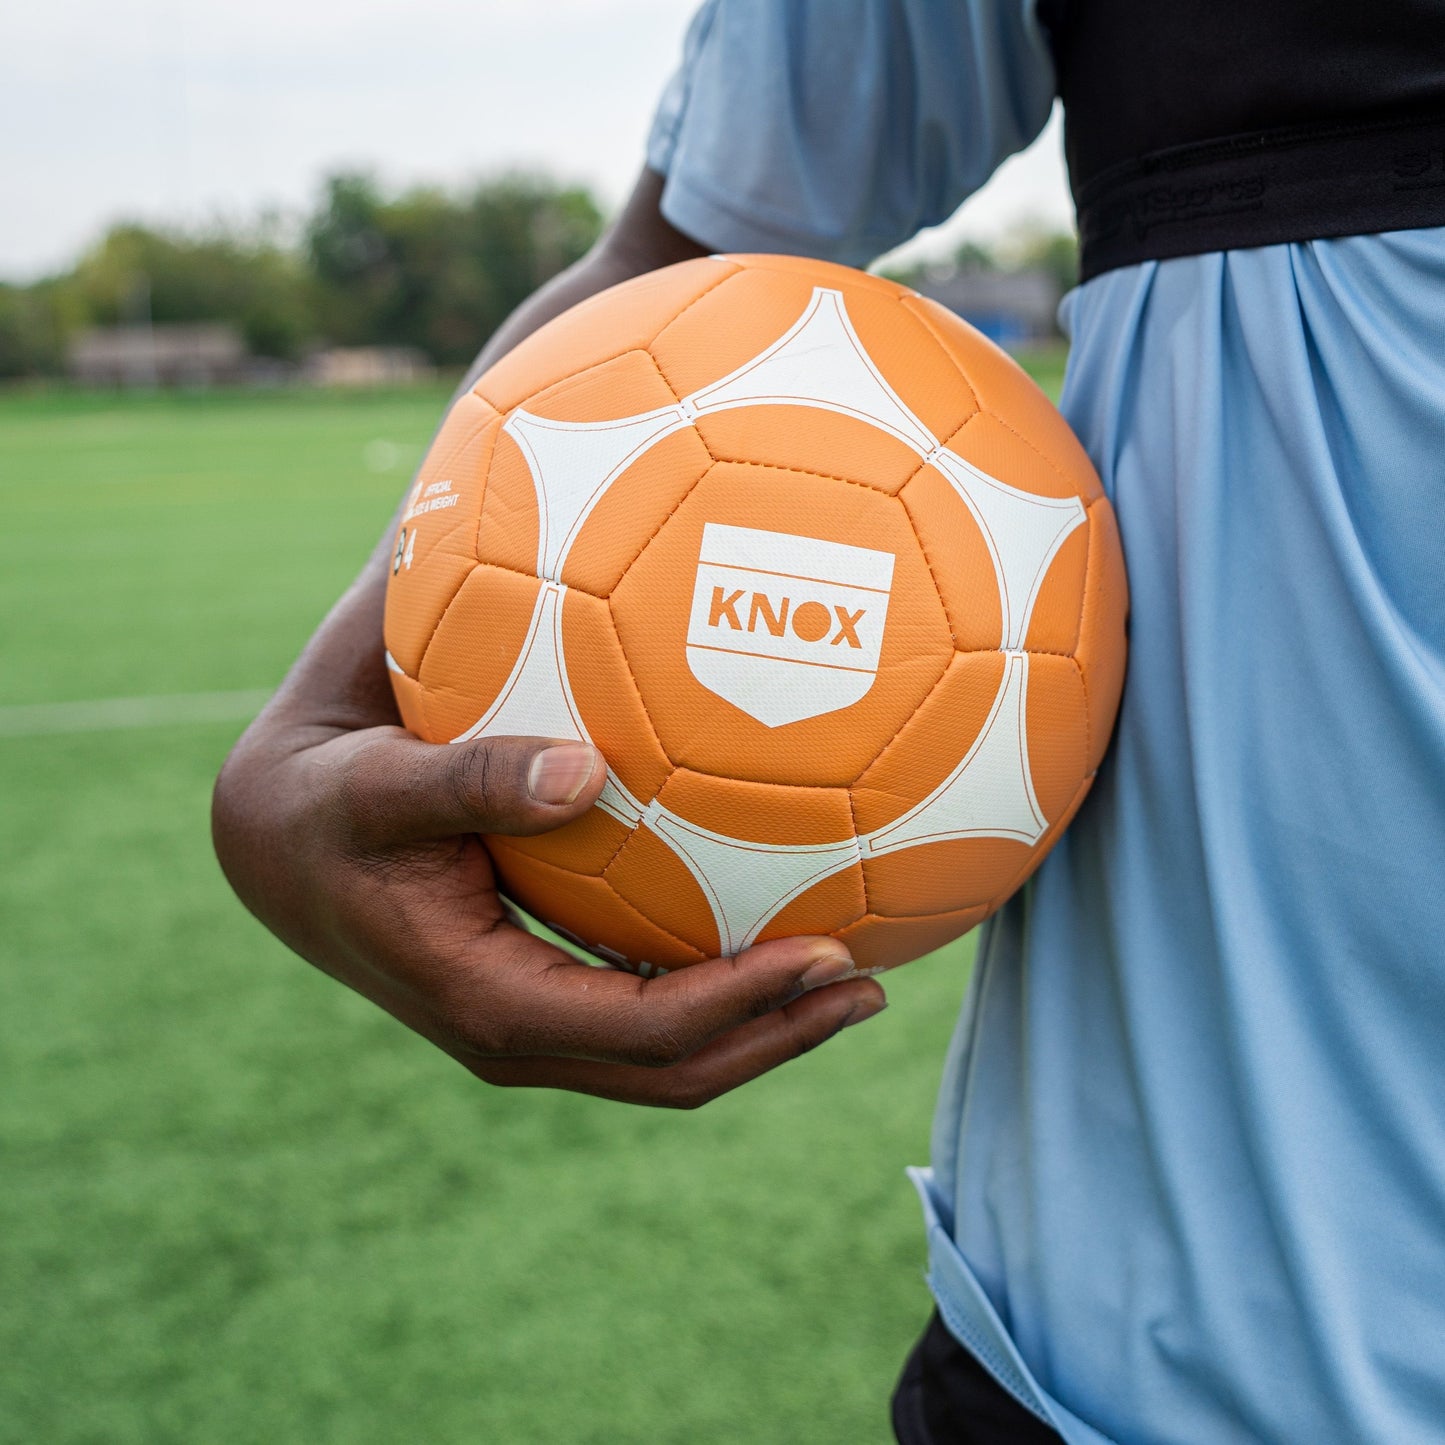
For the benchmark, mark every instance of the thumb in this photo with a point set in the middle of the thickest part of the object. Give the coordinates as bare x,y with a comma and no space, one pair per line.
401,789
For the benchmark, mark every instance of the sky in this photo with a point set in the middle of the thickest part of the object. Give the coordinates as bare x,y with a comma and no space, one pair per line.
185,110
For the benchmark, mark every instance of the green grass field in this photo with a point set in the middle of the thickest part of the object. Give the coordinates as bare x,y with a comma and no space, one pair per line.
238,1204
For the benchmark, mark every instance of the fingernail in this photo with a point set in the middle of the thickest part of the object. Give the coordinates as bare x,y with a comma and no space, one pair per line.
828,969
559,773
869,1009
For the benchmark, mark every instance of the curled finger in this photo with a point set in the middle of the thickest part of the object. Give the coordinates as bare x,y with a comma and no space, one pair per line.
734,1058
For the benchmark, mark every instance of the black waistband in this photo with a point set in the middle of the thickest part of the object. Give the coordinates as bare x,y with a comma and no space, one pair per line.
1261,190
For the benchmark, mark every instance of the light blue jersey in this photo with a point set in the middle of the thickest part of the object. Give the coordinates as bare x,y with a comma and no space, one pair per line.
1188,1179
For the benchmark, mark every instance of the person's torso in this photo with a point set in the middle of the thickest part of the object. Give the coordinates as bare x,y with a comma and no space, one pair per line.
1190,1150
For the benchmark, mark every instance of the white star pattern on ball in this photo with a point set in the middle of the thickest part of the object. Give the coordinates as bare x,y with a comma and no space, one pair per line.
819,362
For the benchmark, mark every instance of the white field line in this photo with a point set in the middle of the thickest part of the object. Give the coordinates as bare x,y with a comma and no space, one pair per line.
46,719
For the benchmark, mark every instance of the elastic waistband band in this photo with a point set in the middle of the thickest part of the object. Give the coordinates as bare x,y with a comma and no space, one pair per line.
1302,184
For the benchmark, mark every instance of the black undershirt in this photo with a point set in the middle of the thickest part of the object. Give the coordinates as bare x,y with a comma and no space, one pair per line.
1193,127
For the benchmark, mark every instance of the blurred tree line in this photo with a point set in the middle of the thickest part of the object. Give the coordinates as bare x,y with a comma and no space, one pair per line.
1029,248
427,268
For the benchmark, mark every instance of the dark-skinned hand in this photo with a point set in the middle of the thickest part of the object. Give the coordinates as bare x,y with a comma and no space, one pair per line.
358,845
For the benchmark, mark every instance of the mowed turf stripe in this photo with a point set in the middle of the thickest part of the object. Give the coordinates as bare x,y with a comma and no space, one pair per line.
107,714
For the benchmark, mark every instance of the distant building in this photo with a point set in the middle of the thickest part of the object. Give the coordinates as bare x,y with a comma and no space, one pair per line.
202,354
1011,308
366,366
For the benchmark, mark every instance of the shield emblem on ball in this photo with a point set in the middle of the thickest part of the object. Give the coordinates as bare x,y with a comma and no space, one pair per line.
786,627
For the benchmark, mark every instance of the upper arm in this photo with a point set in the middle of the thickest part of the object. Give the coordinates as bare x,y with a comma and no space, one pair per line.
641,238
838,128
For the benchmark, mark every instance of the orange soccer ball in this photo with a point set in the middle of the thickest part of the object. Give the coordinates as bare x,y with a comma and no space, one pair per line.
822,573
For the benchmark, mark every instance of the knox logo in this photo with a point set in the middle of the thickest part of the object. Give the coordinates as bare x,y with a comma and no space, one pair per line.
786,627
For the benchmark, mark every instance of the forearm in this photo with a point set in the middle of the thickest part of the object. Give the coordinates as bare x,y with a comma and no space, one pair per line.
339,681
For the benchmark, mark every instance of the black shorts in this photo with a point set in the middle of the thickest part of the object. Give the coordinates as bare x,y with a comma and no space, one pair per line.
945,1397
